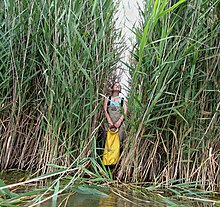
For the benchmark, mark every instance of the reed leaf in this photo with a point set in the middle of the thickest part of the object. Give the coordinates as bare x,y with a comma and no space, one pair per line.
55,59
174,66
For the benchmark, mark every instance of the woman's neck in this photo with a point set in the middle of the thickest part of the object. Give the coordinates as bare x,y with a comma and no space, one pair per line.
115,93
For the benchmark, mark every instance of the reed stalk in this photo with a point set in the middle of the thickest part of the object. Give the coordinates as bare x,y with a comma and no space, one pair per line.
174,96
55,58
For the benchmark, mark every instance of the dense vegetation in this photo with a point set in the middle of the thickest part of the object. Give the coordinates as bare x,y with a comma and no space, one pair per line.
175,96
56,57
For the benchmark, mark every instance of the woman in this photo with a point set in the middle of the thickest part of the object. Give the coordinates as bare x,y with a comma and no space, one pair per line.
113,106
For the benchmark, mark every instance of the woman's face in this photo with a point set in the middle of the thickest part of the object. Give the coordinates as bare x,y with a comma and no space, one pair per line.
116,87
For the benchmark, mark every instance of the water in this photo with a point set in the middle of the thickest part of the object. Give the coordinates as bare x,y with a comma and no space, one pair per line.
115,197
124,199
79,200
12,176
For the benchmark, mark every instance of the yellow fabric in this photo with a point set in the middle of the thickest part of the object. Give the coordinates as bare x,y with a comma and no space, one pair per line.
112,148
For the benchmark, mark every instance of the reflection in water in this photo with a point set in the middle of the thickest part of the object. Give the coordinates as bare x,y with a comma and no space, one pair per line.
119,197
122,199
12,176
79,200
107,202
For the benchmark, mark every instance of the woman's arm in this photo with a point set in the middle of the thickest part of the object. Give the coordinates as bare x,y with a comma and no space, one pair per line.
110,123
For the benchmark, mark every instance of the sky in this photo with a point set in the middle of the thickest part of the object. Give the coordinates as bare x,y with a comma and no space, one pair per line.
127,16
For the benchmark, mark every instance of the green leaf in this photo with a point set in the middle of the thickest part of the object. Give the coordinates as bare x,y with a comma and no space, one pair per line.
54,198
89,191
171,8
176,111
5,191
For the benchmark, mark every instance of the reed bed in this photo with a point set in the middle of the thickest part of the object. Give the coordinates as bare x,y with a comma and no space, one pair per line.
174,103
55,58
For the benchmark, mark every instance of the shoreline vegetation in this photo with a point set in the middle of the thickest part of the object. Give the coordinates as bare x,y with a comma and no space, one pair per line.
56,60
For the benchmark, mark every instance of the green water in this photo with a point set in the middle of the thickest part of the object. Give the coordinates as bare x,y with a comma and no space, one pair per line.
12,176
117,197
79,200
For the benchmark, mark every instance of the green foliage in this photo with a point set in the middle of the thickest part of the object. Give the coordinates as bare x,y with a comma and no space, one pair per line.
70,180
54,59
174,98
87,190
5,192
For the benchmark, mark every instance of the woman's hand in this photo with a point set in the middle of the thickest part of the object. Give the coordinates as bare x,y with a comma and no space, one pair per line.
110,124
118,123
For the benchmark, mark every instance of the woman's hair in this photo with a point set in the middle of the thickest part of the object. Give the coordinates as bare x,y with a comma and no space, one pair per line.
116,82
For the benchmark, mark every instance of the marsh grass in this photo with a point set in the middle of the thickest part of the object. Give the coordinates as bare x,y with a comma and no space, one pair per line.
174,98
55,60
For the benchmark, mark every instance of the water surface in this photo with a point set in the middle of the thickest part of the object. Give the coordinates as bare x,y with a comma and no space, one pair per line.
116,197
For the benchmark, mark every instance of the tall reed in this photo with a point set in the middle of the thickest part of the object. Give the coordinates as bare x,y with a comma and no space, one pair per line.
175,96
55,58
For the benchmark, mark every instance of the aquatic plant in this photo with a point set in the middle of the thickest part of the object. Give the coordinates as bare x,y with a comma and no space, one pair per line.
174,97
55,59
